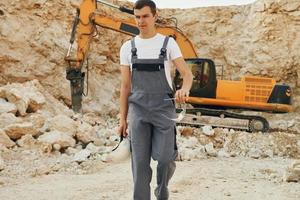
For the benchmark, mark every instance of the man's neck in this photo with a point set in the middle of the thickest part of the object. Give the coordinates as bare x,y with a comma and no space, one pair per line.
148,35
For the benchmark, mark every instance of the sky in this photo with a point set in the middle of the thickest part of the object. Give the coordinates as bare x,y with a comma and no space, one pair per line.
197,3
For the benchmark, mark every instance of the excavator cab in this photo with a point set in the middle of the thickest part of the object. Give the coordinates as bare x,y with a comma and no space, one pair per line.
204,78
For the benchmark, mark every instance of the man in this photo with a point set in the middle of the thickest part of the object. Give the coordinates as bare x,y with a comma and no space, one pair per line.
146,90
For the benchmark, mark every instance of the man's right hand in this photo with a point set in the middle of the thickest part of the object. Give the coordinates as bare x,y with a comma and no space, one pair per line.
181,95
122,129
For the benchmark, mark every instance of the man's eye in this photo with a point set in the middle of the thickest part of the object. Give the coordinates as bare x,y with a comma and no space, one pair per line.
137,17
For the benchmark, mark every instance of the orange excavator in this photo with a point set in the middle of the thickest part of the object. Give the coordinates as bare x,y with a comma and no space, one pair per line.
209,97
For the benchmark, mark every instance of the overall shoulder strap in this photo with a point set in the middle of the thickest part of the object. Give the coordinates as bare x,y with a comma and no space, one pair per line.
163,50
133,50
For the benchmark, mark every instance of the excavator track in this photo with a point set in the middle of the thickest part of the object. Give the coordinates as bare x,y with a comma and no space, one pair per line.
198,117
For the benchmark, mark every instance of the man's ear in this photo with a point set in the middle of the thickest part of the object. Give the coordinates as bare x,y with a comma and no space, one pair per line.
156,16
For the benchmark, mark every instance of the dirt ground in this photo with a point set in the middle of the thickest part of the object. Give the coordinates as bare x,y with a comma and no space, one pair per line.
209,179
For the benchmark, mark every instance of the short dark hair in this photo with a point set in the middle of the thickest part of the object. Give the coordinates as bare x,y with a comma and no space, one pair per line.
143,3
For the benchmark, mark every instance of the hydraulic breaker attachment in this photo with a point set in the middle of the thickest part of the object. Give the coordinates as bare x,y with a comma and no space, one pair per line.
76,78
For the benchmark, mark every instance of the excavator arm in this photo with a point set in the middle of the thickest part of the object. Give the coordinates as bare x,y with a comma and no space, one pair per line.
85,27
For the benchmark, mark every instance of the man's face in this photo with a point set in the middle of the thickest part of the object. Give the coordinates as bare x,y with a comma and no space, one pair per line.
145,19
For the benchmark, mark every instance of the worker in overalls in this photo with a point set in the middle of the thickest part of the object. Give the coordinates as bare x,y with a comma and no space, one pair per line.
146,96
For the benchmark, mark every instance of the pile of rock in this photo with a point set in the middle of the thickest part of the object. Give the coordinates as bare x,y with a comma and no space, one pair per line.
195,143
32,119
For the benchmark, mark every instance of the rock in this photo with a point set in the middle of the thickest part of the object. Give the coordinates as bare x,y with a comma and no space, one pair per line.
296,128
5,140
269,153
56,147
187,131
78,146
82,155
203,139
223,154
186,154
255,153
28,142
99,142
2,166
199,152
292,173
8,119
191,142
26,97
108,142
16,131
16,96
291,123
92,119
86,133
209,148
279,124
38,120
227,194
298,143
225,130
208,130
61,123
292,6
93,148
231,131
114,138
3,148
71,151
57,137
7,107
36,98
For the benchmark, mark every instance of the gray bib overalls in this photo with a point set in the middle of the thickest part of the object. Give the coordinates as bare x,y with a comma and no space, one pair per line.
151,130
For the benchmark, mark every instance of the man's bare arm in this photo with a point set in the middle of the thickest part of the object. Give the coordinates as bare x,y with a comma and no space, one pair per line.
124,94
187,76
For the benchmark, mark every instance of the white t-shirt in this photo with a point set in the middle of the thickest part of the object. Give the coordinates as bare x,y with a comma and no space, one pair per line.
150,49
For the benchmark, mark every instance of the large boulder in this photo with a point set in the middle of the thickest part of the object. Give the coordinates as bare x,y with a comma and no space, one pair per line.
61,123
16,131
26,97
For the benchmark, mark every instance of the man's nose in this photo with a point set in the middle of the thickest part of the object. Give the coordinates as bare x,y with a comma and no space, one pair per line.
141,19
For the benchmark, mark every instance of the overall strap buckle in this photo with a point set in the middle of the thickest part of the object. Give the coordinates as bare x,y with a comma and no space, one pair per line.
133,50
163,50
